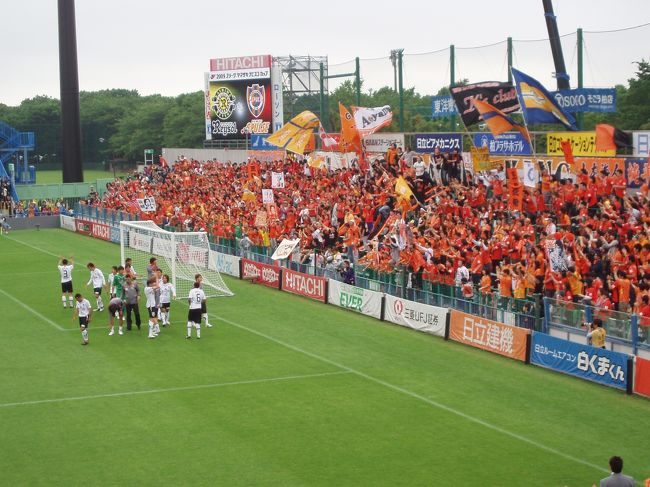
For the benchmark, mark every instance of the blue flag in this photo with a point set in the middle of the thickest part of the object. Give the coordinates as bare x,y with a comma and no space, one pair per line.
537,104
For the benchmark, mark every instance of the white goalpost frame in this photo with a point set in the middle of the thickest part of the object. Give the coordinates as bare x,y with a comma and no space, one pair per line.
213,284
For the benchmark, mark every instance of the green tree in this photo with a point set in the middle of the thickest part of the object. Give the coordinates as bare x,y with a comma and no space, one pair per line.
183,123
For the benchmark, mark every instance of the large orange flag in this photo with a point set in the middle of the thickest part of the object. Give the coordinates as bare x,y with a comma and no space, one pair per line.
350,140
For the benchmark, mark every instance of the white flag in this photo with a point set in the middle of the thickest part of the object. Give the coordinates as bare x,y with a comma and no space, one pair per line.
369,120
284,249
277,180
267,196
531,175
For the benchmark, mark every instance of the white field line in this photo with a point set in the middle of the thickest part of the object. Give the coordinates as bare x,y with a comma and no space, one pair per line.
32,247
395,388
52,272
170,389
414,395
31,310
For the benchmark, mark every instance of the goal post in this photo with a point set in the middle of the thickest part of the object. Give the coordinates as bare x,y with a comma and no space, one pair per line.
181,255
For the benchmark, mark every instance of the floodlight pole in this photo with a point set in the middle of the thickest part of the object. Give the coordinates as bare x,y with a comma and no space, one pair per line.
357,72
509,60
69,80
580,73
400,73
452,78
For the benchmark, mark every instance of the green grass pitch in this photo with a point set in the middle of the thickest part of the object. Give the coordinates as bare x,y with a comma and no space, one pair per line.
283,391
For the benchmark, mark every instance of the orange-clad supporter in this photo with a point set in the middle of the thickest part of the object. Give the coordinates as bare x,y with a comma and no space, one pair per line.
603,230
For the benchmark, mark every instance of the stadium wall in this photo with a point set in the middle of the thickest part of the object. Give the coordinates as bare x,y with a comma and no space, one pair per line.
171,154
610,368
36,222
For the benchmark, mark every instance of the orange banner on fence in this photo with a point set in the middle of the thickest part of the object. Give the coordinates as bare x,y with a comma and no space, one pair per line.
489,335
642,377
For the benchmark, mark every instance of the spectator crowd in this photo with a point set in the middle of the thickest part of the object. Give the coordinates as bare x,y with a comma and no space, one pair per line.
583,239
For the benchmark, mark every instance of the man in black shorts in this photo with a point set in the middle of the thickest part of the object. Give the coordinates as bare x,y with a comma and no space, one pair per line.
84,311
115,305
196,299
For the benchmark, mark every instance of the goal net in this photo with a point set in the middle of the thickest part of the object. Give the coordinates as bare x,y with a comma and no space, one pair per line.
181,255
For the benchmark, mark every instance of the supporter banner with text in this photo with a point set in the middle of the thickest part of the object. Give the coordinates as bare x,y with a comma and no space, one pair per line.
582,144
584,361
354,298
264,274
421,317
558,167
489,335
637,171
642,376
500,95
446,142
304,284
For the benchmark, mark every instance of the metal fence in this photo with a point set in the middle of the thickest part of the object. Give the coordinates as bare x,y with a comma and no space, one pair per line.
525,313
621,327
532,313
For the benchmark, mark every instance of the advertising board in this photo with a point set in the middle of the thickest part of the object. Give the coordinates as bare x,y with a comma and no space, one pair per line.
489,335
380,142
446,142
224,263
354,298
263,274
313,287
421,317
584,361
642,376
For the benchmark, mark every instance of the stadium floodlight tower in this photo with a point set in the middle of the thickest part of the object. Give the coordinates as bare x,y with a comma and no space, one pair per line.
301,79
181,255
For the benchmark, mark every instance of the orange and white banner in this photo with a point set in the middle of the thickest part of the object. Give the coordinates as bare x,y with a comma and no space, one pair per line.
370,120
489,335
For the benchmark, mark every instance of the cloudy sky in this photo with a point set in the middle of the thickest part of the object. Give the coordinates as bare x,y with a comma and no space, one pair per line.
164,46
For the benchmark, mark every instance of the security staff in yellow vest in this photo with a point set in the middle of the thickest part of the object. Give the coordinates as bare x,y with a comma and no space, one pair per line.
596,333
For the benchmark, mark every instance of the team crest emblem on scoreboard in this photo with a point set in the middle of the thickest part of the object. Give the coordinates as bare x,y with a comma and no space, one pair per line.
223,103
256,98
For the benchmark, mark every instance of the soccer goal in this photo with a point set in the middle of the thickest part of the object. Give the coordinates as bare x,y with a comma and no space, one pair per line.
181,255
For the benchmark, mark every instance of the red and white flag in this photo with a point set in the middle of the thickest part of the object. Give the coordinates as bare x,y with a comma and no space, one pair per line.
326,141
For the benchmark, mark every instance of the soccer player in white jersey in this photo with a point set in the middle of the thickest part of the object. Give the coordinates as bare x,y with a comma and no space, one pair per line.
65,268
98,281
152,308
196,300
167,292
84,311
204,308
